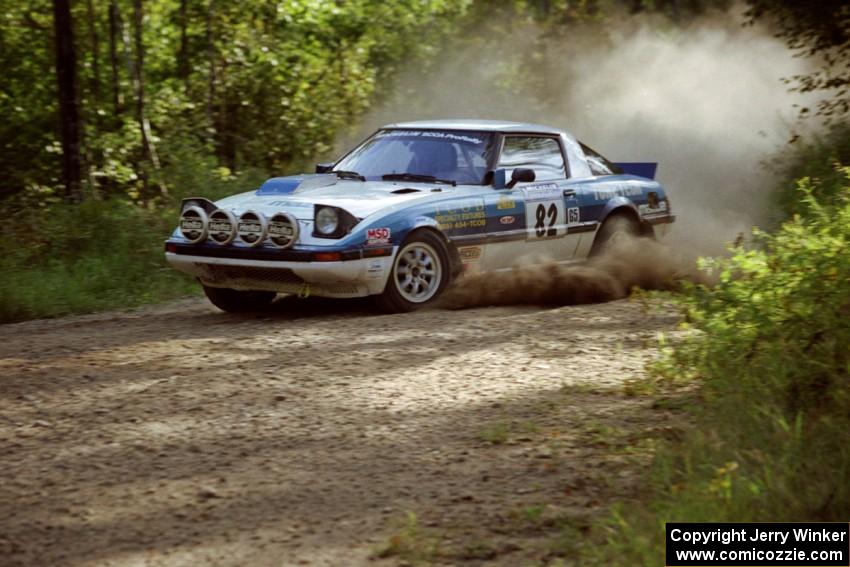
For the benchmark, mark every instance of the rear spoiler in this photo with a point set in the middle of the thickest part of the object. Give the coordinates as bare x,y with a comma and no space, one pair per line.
641,169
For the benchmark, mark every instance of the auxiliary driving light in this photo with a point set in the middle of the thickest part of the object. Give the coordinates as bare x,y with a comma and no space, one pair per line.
222,227
193,224
251,228
283,230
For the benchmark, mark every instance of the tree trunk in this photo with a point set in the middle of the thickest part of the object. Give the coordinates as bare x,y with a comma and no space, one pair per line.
114,34
69,115
94,40
139,86
183,53
211,87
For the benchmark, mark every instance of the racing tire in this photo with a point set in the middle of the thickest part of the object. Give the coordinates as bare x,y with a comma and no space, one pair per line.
615,227
237,301
420,272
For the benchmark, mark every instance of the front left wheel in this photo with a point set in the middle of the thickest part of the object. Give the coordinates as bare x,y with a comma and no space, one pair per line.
420,273
237,301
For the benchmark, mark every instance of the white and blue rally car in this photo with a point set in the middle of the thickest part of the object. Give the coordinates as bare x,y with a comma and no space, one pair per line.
407,210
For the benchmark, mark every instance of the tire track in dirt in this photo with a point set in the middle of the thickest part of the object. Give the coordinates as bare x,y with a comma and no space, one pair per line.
179,435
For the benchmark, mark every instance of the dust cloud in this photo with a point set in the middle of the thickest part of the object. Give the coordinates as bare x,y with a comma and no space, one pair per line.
626,264
705,100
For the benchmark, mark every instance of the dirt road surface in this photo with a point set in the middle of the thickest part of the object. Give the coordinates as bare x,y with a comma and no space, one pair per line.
179,435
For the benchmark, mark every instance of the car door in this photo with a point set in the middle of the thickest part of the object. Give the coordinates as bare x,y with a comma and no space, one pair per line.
535,216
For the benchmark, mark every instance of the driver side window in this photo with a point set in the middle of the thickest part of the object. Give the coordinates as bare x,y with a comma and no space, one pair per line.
541,154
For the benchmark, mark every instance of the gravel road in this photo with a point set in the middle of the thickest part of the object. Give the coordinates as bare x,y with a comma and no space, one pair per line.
179,435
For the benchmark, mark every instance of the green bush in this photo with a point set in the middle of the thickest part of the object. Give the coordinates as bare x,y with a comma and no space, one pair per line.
769,350
57,259
817,160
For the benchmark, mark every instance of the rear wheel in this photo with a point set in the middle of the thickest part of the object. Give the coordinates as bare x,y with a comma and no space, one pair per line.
616,228
419,274
237,301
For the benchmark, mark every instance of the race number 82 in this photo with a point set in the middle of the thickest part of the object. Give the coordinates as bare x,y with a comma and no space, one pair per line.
545,218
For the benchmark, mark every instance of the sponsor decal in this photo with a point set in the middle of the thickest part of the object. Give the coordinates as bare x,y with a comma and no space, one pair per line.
288,204
605,193
507,219
377,236
542,191
649,209
461,217
469,253
452,136
505,203
375,269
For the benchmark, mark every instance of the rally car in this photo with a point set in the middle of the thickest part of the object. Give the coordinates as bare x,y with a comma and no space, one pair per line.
411,207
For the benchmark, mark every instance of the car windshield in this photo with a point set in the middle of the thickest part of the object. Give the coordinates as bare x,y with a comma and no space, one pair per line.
458,156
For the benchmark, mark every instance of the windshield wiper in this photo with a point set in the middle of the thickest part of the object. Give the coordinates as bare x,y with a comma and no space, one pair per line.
415,177
342,174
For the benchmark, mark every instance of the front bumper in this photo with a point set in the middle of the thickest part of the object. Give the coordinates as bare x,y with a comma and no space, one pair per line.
235,268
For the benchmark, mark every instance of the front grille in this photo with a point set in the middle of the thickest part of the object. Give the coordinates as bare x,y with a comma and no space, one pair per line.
223,274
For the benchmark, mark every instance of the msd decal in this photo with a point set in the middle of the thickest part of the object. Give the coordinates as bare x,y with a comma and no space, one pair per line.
377,236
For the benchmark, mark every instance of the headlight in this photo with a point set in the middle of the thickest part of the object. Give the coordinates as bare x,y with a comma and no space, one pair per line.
327,220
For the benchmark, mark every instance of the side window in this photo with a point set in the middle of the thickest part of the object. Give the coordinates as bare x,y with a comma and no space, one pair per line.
598,164
543,155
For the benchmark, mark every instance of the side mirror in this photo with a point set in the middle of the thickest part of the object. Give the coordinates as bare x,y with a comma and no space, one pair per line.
521,175
324,167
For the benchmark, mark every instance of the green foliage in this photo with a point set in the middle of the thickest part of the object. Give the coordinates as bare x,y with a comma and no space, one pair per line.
57,258
815,29
257,84
771,418
818,160
234,92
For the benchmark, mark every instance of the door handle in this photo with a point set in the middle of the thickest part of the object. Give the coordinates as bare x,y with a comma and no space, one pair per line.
569,192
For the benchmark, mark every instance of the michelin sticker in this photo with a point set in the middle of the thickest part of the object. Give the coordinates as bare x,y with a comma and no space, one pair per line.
541,192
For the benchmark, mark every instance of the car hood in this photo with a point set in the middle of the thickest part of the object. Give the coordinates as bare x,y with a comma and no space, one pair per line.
298,195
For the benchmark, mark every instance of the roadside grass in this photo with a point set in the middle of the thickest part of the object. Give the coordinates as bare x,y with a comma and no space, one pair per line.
60,259
765,378
412,543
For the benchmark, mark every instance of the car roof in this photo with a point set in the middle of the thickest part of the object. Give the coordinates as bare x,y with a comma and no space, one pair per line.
477,125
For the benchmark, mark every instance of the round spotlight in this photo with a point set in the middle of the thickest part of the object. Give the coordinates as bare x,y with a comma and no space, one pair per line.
251,228
193,224
222,227
283,230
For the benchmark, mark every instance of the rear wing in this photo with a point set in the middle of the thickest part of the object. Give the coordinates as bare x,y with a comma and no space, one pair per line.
641,169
